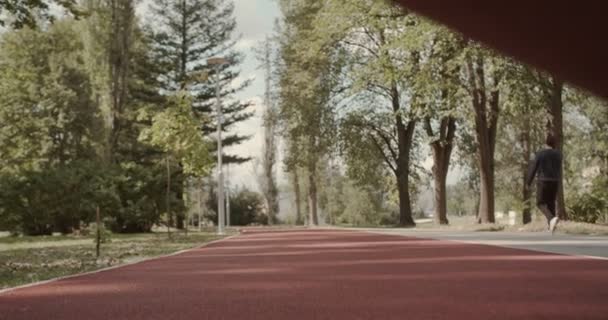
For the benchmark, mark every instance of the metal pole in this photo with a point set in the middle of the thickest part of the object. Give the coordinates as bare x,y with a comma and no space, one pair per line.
228,195
98,234
200,208
220,174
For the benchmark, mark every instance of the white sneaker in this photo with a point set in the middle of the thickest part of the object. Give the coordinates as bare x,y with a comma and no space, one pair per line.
553,224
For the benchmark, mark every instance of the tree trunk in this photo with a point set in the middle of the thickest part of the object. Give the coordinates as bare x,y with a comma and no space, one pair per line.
270,148
405,136
97,233
486,200
313,219
122,15
556,114
180,216
440,173
405,209
200,209
296,189
442,151
486,176
486,109
526,190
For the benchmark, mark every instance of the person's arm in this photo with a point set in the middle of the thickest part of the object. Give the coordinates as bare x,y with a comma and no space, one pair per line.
532,171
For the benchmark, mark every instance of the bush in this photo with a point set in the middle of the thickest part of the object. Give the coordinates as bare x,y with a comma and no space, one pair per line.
141,192
57,199
91,230
591,206
246,208
390,218
131,198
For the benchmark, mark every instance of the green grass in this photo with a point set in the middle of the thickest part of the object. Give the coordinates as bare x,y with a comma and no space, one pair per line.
567,227
468,223
463,223
41,258
29,239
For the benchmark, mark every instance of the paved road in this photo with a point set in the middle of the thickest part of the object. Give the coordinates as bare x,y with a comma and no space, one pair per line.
591,246
325,274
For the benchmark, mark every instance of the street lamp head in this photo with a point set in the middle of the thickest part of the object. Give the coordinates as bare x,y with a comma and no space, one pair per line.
217,61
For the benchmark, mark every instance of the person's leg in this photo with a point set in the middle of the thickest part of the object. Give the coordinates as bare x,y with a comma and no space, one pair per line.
551,205
542,201
552,189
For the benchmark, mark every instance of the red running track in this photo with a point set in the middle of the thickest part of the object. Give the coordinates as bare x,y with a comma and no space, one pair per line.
329,275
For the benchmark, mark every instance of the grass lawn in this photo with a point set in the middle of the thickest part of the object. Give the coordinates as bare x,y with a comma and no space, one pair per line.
539,224
29,259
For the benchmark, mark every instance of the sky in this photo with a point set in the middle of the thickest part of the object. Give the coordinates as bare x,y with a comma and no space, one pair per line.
255,20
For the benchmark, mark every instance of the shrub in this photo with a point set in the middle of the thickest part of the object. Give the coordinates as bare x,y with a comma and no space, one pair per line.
591,206
246,208
56,199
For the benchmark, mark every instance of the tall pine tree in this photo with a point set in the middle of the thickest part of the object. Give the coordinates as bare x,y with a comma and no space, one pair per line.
125,88
185,34
188,32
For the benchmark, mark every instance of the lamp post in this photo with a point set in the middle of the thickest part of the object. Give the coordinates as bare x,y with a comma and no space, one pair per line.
217,63
228,196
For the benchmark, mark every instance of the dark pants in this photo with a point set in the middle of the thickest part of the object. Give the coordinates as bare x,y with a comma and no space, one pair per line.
546,196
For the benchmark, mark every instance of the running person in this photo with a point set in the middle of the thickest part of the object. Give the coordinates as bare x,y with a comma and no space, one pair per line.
547,169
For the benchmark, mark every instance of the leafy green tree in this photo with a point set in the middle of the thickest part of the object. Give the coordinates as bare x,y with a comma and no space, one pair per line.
176,132
439,88
124,75
307,86
294,180
520,135
461,199
484,73
552,90
268,182
185,34
383,47
331,200
60,88
45,106
57,199
28,13
596,111
361,207
586,156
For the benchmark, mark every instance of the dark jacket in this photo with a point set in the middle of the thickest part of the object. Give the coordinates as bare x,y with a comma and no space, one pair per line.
546,166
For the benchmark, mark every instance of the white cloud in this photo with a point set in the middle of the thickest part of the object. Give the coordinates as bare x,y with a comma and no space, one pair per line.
246,44
255,19
238,81
243,174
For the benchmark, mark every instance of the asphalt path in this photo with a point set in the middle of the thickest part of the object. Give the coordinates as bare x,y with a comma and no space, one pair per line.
582,245
329,274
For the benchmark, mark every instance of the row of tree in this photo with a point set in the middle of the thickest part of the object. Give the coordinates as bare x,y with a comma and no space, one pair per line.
377,90
104,107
